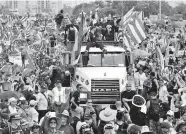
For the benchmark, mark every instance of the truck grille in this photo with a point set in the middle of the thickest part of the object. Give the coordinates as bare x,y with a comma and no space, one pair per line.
105,90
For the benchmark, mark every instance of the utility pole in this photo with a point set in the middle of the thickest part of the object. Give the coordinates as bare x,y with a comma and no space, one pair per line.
122,9
160,9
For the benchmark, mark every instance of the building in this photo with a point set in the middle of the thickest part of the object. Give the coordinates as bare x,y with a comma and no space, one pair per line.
12,5
56,6
22,7
43,6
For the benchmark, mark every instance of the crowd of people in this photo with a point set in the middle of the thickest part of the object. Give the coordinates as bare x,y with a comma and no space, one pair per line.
42,100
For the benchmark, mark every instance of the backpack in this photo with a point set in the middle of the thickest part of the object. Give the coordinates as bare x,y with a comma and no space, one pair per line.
154,110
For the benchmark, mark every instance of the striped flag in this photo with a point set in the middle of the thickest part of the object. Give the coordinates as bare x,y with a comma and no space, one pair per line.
6,36
120,35
27,34
176,48
40,36
160,57
167,56
165,43
20,36
127,42
127,16
28,62
24,18
136,30
28,27
9,19
141,15
76,50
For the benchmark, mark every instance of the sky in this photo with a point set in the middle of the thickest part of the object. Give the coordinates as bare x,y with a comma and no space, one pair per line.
73,3
174,3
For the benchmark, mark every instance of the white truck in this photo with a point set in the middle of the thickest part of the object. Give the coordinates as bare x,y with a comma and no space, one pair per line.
104,77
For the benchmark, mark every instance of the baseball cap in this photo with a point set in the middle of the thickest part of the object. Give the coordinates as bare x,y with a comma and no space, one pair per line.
165,125
170,112
33,102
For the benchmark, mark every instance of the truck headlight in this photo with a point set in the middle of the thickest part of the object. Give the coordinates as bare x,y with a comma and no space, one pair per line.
86,82
83,95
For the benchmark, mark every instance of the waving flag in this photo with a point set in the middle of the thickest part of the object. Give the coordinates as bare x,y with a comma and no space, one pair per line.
76,50
136,30
160,57
120,35
29,26
165,43
10,19
24,18
127,16
141,15
27,34
29,62
127,42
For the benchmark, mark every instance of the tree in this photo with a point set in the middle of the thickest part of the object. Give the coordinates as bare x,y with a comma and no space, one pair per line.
100,3
108,3
152,8
5,10
181,9
122,7
118,5
106,11
166,8
67,9
85,7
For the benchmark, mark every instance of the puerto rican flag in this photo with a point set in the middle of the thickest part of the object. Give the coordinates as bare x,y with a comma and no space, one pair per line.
28,27
29,62
76,49
136,30
128,16
24,18
127,42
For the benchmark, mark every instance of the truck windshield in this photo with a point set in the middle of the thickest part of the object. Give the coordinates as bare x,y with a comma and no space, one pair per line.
109,60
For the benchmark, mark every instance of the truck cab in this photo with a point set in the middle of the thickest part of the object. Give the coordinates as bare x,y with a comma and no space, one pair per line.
104,76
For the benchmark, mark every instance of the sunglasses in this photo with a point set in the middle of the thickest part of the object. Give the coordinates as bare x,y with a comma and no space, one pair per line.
89,102
128,86
52,122
170,116
35,127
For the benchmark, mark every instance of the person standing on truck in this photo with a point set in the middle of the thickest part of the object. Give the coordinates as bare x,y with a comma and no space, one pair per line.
92,41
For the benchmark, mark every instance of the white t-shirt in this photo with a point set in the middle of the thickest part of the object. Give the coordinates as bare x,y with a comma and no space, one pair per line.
140,78
59,95
12,110
42,101
163,94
